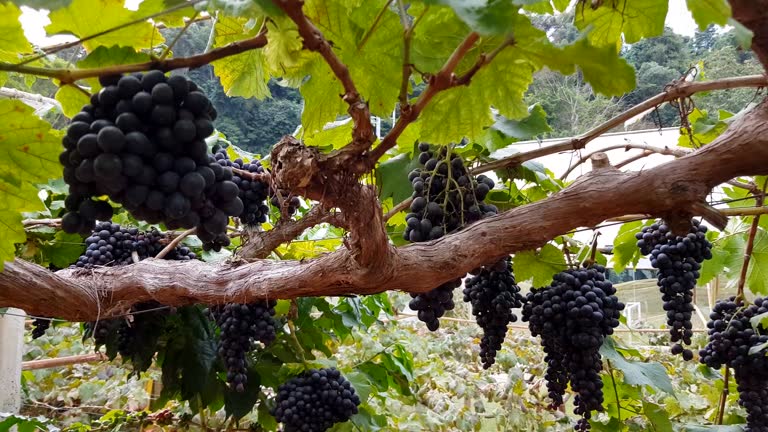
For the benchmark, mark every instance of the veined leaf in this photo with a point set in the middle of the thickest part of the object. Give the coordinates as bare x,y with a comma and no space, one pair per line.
539,266
637,373
635,19
485,17
12,39
245,74
706,12
71,99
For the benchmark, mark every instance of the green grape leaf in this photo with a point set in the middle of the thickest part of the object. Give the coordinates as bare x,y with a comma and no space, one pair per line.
284,54
71,99
561,5
12,39
742,33
711,268
392,177
529,127
635,19
29,151
658,416
757,273
603,69
322,103
87,17
238,405
50,5
706,12
539,266
636,373
64,249
485,17
336,135
110,56
245,74
172,19
760,320
625,250
719,428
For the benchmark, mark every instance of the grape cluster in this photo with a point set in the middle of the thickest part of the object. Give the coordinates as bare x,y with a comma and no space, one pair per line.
446,197
315,400
572,316
39,326
253,193
731,337
146,316
291,204
431,305
141,142
493,293
111,245
240,325
678,259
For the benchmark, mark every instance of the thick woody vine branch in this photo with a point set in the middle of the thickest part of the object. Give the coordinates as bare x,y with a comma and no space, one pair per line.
314,40
678,186
69,76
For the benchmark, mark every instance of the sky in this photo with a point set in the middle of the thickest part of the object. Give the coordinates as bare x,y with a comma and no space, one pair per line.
33,22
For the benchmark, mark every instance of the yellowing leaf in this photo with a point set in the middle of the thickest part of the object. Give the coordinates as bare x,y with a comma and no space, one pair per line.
28,155
12,39
322,101
87,17
71,99
242,75
173,19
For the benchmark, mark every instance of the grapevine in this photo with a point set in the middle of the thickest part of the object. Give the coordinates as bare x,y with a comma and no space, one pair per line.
315,400
678,259
572,316
735,342
241,325
141,143
493,293
253,193
446,197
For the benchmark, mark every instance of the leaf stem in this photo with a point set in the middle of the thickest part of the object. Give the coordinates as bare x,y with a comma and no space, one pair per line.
615,391
374,25
723,395
750,244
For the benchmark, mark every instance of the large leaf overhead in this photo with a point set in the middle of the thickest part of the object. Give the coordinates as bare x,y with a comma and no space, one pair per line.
87,17
706,12
608,20
28,156
12,39
245,74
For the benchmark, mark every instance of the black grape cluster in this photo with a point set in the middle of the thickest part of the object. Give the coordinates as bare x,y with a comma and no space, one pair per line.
241,325
141,142
39,326
102,331
678,259
731,337
432,305
446,197
315,400
146,316
253,194
291,204
572,316
493,293
111,245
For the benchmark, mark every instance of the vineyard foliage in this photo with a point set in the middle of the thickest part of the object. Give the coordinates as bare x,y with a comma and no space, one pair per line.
457,76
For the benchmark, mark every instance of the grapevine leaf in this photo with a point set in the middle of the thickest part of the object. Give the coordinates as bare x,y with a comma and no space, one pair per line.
336,134
720,428
635,19
539,266
392,177
711,268
625,250
757,348
245,74
658,416
86,17
322,103
757,274
637,373
50,5
173,19
64,249
759,321
237,405
485,17
706,12
283,54
742,33
12,39
71,99
561,5
603,69
529,127
110,56
28,155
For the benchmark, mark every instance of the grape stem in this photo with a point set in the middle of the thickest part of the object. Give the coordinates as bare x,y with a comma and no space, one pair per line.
175,242
723,395
750,244
296,343
615,390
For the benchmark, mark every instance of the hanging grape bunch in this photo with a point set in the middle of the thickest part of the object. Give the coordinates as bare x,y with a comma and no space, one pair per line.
678,259
141,142
572,316
241,325
253,193
315,400
445,199
39,327
493,293
735,342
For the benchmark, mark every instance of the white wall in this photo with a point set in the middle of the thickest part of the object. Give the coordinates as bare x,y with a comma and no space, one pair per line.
11,350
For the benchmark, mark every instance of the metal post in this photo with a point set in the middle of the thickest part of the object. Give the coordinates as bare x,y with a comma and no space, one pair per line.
11,350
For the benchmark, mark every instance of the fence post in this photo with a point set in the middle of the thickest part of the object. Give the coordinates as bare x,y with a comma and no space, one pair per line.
11,351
